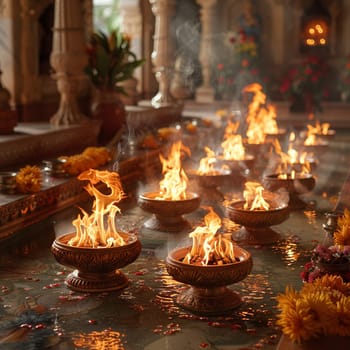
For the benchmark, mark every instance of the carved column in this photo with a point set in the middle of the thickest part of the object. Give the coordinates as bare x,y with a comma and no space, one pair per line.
205,93
29,47
161,55
131,23
68,58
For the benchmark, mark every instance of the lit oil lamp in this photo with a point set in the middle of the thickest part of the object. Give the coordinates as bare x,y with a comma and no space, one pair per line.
97,250
235,157
256,142
313,142
209,177
271,129
212,263
172,201
260,210
294,183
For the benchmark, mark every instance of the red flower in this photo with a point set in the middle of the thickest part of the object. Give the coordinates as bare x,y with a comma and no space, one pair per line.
308,71
245,63
254,71
220,66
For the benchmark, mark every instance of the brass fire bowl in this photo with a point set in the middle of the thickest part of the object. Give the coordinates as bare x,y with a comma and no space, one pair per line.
256,223
168,214
327,137
96,269
209,183
301,184
208,294
258,149
279,135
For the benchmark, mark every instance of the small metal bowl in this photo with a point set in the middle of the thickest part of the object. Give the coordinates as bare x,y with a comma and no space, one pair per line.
8,182
55,167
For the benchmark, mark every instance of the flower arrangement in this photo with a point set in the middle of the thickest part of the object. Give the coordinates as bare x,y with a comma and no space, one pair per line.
319,308
308,82
334,259
110,60
241,64
344,81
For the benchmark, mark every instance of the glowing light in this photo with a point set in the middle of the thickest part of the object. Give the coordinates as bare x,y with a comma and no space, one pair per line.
174,184
92,230
207,164
209,245
253,195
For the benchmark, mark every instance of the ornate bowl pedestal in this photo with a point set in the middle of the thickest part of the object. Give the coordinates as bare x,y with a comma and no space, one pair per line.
96,269
168,214
299,185
208,294
240,169
256,224
209,183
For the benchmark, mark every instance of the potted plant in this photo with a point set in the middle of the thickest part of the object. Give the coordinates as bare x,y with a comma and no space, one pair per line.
110,62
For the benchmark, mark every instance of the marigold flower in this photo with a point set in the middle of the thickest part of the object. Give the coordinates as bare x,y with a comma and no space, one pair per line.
28,179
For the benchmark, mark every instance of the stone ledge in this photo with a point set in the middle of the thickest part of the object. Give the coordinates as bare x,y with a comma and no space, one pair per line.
32,142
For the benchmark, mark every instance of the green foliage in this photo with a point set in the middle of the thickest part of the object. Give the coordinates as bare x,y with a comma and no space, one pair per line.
110,60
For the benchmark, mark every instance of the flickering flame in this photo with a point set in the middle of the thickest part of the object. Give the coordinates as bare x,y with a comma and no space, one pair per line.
233,148
253,195
255,116
98,229
207,164
290,159
314,131
174,184
270,122
208,246
231,128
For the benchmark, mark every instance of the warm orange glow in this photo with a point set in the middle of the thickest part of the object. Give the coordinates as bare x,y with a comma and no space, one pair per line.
103,340
261,118
291,158
207,164
316,33
98,229
269,120
209,246
174,184
233,148
314,131
231,129
253,195
255,133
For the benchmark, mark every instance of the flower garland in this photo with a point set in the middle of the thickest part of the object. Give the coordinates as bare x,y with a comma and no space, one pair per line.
91,157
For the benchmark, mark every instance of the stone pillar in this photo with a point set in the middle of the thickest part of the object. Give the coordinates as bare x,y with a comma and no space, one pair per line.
131,24
161,55
68,59
29,47
205,93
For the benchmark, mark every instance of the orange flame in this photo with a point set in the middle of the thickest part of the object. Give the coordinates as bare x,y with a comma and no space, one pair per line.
255,131
174,184
231,128
92,230
253,195
206,164
208,245
233,148
290,159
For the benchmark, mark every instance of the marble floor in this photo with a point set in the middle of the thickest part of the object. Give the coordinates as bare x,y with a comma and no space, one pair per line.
38,311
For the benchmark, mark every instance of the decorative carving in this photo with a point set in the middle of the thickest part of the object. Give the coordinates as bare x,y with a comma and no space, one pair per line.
68,59
163,10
